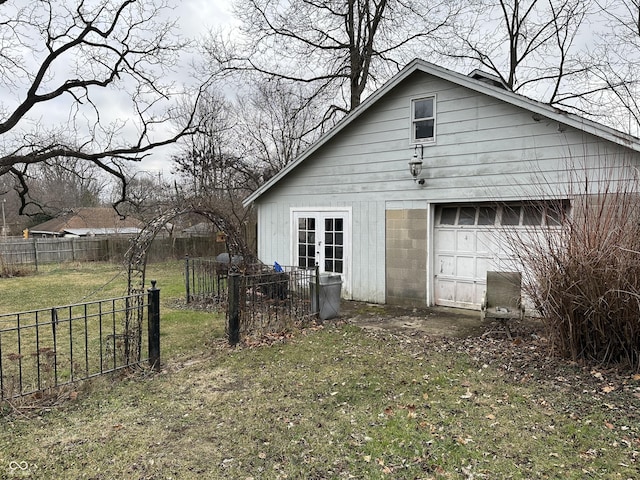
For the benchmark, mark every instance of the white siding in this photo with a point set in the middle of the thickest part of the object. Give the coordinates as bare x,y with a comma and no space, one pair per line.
367,262
485,150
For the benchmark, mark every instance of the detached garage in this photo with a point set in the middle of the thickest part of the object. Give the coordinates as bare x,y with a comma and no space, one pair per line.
414,195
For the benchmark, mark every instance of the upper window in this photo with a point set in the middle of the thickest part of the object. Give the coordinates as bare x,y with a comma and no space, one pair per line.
542,213
423,117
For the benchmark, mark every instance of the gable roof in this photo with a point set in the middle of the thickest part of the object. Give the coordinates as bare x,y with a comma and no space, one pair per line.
477,81
87,221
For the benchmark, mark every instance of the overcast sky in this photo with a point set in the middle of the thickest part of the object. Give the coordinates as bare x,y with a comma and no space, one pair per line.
195,18
198,16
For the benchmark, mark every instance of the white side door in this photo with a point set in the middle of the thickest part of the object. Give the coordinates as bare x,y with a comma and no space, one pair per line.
322,238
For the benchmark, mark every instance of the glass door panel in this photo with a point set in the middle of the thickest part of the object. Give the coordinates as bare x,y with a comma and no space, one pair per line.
320,240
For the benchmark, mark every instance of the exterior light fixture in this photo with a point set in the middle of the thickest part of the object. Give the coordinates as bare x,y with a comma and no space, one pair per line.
415,165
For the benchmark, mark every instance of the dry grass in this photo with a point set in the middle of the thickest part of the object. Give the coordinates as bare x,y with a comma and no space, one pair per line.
337,403
331,403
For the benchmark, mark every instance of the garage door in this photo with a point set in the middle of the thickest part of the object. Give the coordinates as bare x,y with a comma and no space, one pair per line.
471,239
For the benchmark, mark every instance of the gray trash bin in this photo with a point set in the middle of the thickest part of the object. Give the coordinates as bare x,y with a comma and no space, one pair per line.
329,296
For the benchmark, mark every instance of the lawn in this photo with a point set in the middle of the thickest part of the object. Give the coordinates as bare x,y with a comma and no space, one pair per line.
55,285
331,401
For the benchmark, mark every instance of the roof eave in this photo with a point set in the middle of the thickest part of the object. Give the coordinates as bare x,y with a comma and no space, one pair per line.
548,111
410,68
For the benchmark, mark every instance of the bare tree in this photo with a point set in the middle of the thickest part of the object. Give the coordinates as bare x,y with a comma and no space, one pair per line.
276,122
341,49
578,55
618,63
212,177
529,44
242,142
203,164
72,72
59,184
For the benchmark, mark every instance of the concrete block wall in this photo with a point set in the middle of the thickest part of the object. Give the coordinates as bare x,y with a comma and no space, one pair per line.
406,257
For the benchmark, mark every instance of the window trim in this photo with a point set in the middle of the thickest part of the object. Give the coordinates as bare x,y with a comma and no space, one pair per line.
412,133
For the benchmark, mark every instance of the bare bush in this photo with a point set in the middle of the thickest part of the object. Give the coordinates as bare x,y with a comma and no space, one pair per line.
582,271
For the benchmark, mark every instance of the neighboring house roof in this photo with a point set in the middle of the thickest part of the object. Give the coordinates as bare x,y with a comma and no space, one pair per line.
82,232
202,228
88,221
477,81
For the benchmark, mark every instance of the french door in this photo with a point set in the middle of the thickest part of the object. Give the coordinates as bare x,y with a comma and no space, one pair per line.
322,238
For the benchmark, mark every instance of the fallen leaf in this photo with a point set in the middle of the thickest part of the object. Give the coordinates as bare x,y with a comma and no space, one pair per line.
491,416
262,455
463,441
388,411
608,388
609,425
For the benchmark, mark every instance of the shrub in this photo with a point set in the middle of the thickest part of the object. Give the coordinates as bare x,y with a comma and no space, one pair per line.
583,276
9,270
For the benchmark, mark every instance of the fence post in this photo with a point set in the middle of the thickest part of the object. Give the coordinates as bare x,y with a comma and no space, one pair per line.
317,292
35,253
186,277
234,308
154,326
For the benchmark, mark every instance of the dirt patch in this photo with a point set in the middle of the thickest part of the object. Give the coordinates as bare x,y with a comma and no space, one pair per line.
525,356
431,321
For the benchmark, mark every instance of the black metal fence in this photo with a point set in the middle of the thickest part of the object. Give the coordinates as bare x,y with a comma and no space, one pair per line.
44,349
263,299
268,301
205,280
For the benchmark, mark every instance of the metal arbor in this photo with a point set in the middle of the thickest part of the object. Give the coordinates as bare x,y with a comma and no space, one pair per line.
136,263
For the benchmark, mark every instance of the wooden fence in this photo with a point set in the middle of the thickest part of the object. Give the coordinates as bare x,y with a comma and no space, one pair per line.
37,251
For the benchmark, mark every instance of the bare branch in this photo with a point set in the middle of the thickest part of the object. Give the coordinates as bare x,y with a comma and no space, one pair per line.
338,46
87,56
